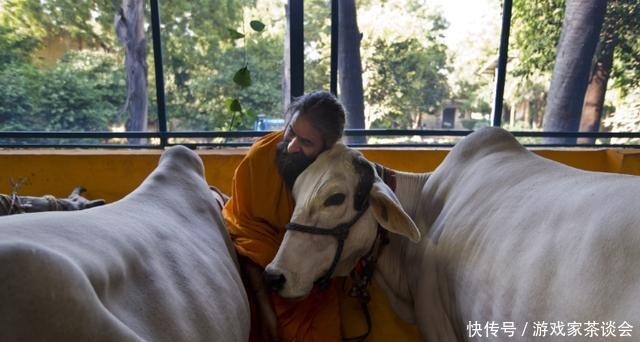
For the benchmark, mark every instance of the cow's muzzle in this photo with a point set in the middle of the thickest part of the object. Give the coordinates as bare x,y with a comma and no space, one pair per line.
274,280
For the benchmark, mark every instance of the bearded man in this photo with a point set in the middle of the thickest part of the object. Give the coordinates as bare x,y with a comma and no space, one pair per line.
261,205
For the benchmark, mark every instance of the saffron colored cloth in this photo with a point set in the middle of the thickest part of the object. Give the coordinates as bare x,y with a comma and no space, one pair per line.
256,214
260,204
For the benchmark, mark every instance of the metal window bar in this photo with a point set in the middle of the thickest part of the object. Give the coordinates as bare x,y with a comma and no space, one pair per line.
296,11
246,135
296,47
333,82
159,68
496,119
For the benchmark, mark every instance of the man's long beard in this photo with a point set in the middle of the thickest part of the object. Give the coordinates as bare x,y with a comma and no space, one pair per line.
290,165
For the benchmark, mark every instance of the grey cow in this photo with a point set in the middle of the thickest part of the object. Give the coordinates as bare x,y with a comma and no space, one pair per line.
157,266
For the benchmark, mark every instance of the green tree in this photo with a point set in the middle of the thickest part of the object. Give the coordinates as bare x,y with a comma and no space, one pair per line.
18,84
405,62
203,106
407,81
618,39
82,92
209,43
535,34
90,23
317,36
15,47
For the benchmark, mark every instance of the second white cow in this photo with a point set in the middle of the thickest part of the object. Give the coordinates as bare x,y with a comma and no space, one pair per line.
157,265
513,245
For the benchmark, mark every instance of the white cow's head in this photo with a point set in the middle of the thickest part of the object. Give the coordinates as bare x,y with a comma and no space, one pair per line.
339,186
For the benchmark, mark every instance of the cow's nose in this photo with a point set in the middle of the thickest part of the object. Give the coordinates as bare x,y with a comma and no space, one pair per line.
274,280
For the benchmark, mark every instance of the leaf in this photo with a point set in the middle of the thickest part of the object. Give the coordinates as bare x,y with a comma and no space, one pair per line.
233,105
242,77
257,25
233,34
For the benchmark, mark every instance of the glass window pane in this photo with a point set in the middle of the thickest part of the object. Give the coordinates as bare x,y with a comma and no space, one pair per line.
62,69
611,98
223,65
423,63
317,45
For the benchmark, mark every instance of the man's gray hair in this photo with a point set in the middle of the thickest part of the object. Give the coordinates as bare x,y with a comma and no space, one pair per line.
324,111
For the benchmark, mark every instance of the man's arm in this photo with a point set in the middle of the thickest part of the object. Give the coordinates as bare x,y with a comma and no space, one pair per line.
256,284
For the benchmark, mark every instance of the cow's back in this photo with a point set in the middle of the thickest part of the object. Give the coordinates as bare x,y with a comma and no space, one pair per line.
524,239
156,265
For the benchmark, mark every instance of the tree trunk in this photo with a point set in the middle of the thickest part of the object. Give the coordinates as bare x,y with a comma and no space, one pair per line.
350,67
129,23
418,121
594,98
580,34
597,88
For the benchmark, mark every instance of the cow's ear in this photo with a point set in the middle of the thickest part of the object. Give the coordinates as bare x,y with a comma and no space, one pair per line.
389,213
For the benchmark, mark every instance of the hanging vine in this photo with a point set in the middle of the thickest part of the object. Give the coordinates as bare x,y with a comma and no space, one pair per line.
242,77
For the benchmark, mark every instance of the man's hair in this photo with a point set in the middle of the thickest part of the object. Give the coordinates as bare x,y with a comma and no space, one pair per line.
324,112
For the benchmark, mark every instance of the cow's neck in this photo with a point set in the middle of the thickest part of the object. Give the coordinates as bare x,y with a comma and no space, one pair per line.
389,273
408,189
410,277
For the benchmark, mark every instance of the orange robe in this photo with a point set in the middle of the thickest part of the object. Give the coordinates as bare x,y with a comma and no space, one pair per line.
256,214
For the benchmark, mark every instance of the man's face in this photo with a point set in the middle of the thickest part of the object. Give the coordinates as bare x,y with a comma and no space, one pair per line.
298,149
303,137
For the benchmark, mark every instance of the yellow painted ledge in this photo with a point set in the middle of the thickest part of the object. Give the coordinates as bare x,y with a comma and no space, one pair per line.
111,174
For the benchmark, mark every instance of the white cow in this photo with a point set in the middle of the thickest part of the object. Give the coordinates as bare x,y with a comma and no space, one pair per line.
513,244
157,266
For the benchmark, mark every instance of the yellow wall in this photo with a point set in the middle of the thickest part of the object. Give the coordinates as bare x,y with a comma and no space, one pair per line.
111,174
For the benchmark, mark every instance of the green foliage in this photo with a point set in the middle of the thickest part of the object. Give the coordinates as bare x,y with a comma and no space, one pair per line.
233,105
15,47
196,36
18,84
201,103
210,56
469,97
242,77
536,27
82,93
257,25
535,33
233,34
408,80
317,36
90,22
622,27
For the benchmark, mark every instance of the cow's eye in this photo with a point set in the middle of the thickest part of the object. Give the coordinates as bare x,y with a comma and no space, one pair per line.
335,199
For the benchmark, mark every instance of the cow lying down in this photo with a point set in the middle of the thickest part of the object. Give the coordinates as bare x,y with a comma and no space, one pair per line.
156,265
495,243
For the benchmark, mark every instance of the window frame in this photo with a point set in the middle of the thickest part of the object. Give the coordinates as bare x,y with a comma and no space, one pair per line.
296,40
